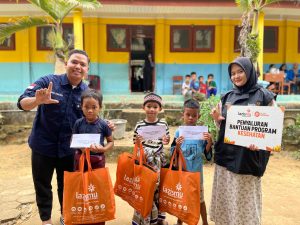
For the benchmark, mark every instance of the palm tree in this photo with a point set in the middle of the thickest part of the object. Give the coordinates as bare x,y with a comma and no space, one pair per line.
55,12
248,37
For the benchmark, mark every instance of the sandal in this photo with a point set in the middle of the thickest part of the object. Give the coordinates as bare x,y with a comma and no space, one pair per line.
48,223
179,222
62,221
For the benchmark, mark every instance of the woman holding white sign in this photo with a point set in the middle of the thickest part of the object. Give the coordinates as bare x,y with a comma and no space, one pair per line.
236,194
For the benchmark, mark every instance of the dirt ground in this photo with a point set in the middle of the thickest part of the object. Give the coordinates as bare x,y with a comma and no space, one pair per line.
281,187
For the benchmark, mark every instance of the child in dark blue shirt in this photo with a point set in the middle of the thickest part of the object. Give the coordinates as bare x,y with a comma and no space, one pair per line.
91,123
91,104
194,83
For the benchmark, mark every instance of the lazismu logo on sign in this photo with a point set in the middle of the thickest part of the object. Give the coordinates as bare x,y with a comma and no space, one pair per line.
90,196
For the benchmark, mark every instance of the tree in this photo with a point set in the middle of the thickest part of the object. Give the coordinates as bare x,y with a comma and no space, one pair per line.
248,37
55,12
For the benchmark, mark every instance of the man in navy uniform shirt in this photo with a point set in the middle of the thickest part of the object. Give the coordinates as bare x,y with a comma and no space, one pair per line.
58,100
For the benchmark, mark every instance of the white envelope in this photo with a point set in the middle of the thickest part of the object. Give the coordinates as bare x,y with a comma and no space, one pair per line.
152,132
192,132
84,140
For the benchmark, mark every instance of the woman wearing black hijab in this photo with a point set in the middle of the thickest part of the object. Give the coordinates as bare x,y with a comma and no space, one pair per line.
236,194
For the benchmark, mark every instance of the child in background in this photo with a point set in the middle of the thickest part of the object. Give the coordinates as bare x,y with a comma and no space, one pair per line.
203,88
154,153
292,78
211,85
193,149
186,85
272,68
91,104
194,83
186,90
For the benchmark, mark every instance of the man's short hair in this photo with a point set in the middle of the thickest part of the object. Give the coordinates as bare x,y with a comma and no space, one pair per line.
191,103
187,75
78,51
193,73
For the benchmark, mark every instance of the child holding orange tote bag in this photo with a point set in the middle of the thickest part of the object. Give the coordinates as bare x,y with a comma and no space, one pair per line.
91,104
136,180
154,153
193,150
179,191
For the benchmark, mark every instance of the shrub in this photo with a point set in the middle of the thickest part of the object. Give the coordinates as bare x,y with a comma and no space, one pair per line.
205,118
291,133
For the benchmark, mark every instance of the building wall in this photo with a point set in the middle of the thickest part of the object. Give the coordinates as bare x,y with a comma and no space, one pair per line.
23,66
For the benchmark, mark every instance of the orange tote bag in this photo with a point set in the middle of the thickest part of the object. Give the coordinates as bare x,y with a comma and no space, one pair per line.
136,181
179,191
88,196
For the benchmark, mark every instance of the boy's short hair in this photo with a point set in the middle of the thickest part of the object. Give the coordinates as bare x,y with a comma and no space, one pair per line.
191,103
200,77
210,75
187,75
78,51
92,93
192,73
152,97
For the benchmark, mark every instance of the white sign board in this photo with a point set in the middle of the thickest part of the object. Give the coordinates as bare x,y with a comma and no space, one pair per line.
192,132
258,125
152,132
84,140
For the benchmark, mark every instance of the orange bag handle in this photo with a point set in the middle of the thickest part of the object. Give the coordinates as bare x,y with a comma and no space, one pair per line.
84,156
141,157
88,158
177,154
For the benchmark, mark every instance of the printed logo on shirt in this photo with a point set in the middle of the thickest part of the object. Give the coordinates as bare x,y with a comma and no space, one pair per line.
190,150
58,94
31,86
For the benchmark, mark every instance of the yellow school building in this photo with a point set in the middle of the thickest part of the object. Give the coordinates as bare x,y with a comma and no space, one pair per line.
182,36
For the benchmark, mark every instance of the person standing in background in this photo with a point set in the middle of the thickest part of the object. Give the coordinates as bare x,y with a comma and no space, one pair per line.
148,72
